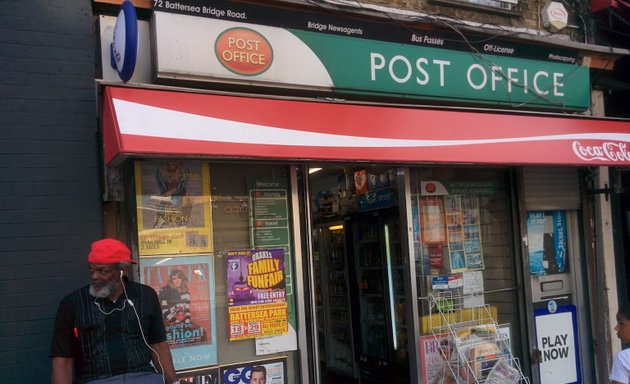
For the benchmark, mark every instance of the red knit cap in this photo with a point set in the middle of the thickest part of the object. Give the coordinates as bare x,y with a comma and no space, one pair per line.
109,251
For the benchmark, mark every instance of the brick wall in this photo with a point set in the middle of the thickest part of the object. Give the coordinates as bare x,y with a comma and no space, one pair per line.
528,15
50,206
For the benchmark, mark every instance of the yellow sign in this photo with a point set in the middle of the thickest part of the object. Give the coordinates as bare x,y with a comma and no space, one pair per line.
173,207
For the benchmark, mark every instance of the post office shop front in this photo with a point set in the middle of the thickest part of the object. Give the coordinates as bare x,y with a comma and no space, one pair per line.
343,241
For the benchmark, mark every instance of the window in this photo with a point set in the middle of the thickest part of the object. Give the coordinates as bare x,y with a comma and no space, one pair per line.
215,243
463,247
509,7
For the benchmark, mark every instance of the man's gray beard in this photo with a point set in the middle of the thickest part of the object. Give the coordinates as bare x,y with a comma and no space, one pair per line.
105,290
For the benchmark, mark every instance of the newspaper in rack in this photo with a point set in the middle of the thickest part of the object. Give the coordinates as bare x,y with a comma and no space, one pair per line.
503,373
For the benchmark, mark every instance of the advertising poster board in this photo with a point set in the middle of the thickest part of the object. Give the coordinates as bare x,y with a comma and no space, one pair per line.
450,218
269,218
173,207
256,293
557,341
432,221
185,288
464,232
275,369
547,242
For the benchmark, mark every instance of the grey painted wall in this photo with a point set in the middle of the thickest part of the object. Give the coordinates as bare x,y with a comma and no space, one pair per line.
50,194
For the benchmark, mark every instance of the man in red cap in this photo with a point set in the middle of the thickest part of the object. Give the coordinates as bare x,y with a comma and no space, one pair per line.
111,330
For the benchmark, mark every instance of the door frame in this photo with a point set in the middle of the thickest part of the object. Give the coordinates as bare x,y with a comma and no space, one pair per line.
576,262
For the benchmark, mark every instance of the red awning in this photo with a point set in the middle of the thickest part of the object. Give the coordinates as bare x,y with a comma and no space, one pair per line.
149,122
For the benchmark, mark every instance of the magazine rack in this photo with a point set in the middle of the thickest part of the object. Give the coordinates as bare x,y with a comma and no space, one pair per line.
471,343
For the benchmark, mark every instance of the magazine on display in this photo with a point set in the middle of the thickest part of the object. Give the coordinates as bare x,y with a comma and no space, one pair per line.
503,373
207,375
483,357
242,373
185,288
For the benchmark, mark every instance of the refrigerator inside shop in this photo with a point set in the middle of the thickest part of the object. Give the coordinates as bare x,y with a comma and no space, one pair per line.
378,303
333,301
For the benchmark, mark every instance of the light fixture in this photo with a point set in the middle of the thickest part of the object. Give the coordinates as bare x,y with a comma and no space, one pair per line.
335,227
313,170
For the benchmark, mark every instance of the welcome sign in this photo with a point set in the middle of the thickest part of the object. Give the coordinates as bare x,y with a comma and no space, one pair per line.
216,43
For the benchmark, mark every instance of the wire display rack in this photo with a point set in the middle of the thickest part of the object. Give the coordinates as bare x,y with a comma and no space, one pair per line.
472,344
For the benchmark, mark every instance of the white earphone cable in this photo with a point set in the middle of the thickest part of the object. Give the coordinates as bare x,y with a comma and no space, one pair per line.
135,312
98,305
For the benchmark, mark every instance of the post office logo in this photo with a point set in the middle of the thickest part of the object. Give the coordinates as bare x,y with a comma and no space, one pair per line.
244,51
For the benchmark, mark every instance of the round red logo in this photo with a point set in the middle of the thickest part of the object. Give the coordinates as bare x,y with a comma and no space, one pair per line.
430,187
244,51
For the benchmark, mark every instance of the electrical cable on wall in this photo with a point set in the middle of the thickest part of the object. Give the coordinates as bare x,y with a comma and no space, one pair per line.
455,25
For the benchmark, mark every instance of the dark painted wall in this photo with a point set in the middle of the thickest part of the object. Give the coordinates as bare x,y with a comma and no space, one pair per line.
50,194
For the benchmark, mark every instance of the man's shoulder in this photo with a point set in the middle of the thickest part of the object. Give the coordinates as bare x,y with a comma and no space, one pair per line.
75,298
77,293
142,288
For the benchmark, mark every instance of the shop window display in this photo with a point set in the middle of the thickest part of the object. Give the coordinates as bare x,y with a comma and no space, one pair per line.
215,244
466,272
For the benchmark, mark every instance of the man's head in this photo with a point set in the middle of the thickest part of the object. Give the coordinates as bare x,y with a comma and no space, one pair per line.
259,375
107,261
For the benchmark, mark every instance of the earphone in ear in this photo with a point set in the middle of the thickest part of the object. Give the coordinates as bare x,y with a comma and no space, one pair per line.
121,274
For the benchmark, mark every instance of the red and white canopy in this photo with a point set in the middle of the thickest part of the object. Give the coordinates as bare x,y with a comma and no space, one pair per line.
150,122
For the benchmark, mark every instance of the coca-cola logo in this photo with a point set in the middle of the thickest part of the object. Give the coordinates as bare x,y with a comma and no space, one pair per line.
607,151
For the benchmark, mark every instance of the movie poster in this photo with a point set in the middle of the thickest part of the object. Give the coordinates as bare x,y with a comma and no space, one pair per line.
185,288
256,293
173,207
273,371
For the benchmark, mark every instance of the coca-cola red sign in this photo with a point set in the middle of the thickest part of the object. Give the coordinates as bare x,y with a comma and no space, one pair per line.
140,121
606,151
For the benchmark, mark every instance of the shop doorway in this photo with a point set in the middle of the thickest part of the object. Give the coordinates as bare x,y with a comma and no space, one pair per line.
558,300
358,273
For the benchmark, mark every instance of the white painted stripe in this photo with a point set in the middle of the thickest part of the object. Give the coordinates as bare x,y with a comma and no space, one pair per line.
143,120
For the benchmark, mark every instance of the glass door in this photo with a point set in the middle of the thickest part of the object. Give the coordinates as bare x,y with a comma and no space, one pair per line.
333,301
380,297
372,293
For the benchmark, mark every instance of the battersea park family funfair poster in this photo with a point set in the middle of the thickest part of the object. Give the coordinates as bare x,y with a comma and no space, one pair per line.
257,303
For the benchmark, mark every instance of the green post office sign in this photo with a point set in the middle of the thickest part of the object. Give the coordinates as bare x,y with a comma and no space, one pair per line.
349,56
361,65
